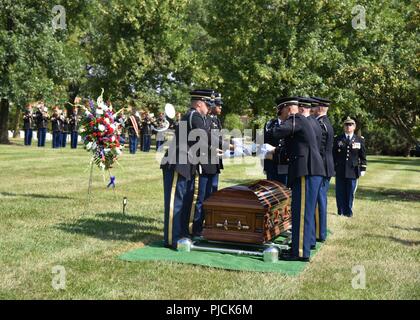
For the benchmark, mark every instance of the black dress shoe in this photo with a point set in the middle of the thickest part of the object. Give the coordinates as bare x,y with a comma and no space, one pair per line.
313,247
293,258
290,257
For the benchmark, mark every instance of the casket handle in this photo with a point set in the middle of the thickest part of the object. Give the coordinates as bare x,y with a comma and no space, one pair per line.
242,227
223,225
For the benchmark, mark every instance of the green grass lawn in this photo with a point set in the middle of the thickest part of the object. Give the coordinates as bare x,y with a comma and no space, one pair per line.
46,220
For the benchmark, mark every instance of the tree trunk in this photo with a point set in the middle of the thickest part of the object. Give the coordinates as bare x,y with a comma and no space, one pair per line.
16,123
4,121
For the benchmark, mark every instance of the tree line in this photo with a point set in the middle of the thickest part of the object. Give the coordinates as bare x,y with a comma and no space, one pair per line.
149,52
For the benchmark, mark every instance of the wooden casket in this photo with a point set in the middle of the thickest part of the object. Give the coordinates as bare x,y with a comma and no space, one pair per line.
249,213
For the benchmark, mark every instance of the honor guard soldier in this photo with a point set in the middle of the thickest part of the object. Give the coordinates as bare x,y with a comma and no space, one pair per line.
57,127
179,167
133,126
42,118
74,125
277,168
306,108
327,142
350,163
28,124
304,176
216,125
209,172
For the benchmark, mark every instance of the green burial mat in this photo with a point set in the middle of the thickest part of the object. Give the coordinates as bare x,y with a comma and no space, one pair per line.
157,252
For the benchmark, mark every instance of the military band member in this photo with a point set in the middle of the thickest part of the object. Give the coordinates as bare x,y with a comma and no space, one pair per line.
276,168
146,132
320,112
66,121
160,135
133,126
74,125
42,118
28,124
304,176
57,127
175,122
179,168
122,119
350,163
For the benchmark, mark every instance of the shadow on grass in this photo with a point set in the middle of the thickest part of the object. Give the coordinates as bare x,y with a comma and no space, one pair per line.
384,194
408,243
405,228
412,170
115,226
33,195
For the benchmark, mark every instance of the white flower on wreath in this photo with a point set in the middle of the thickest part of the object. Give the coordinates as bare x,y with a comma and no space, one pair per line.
94,146
99,111
113,138
101,127
107,150
107,120
89,146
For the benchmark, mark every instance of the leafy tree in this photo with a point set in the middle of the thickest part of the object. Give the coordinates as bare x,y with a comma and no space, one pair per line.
34,60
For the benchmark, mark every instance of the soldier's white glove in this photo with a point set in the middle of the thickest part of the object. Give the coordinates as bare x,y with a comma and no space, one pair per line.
267,151
363,173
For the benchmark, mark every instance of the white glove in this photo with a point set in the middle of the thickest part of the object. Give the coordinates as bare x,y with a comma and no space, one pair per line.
363,173
267,151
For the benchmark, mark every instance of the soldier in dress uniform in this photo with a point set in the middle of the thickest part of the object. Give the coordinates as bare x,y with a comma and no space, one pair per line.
122,119
305,174
350,163
146,132
160,135
42,118
320,112
276,168
306,108
57,127
133,126
209,174
216,124
66,122
28,124
74,125
179,167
